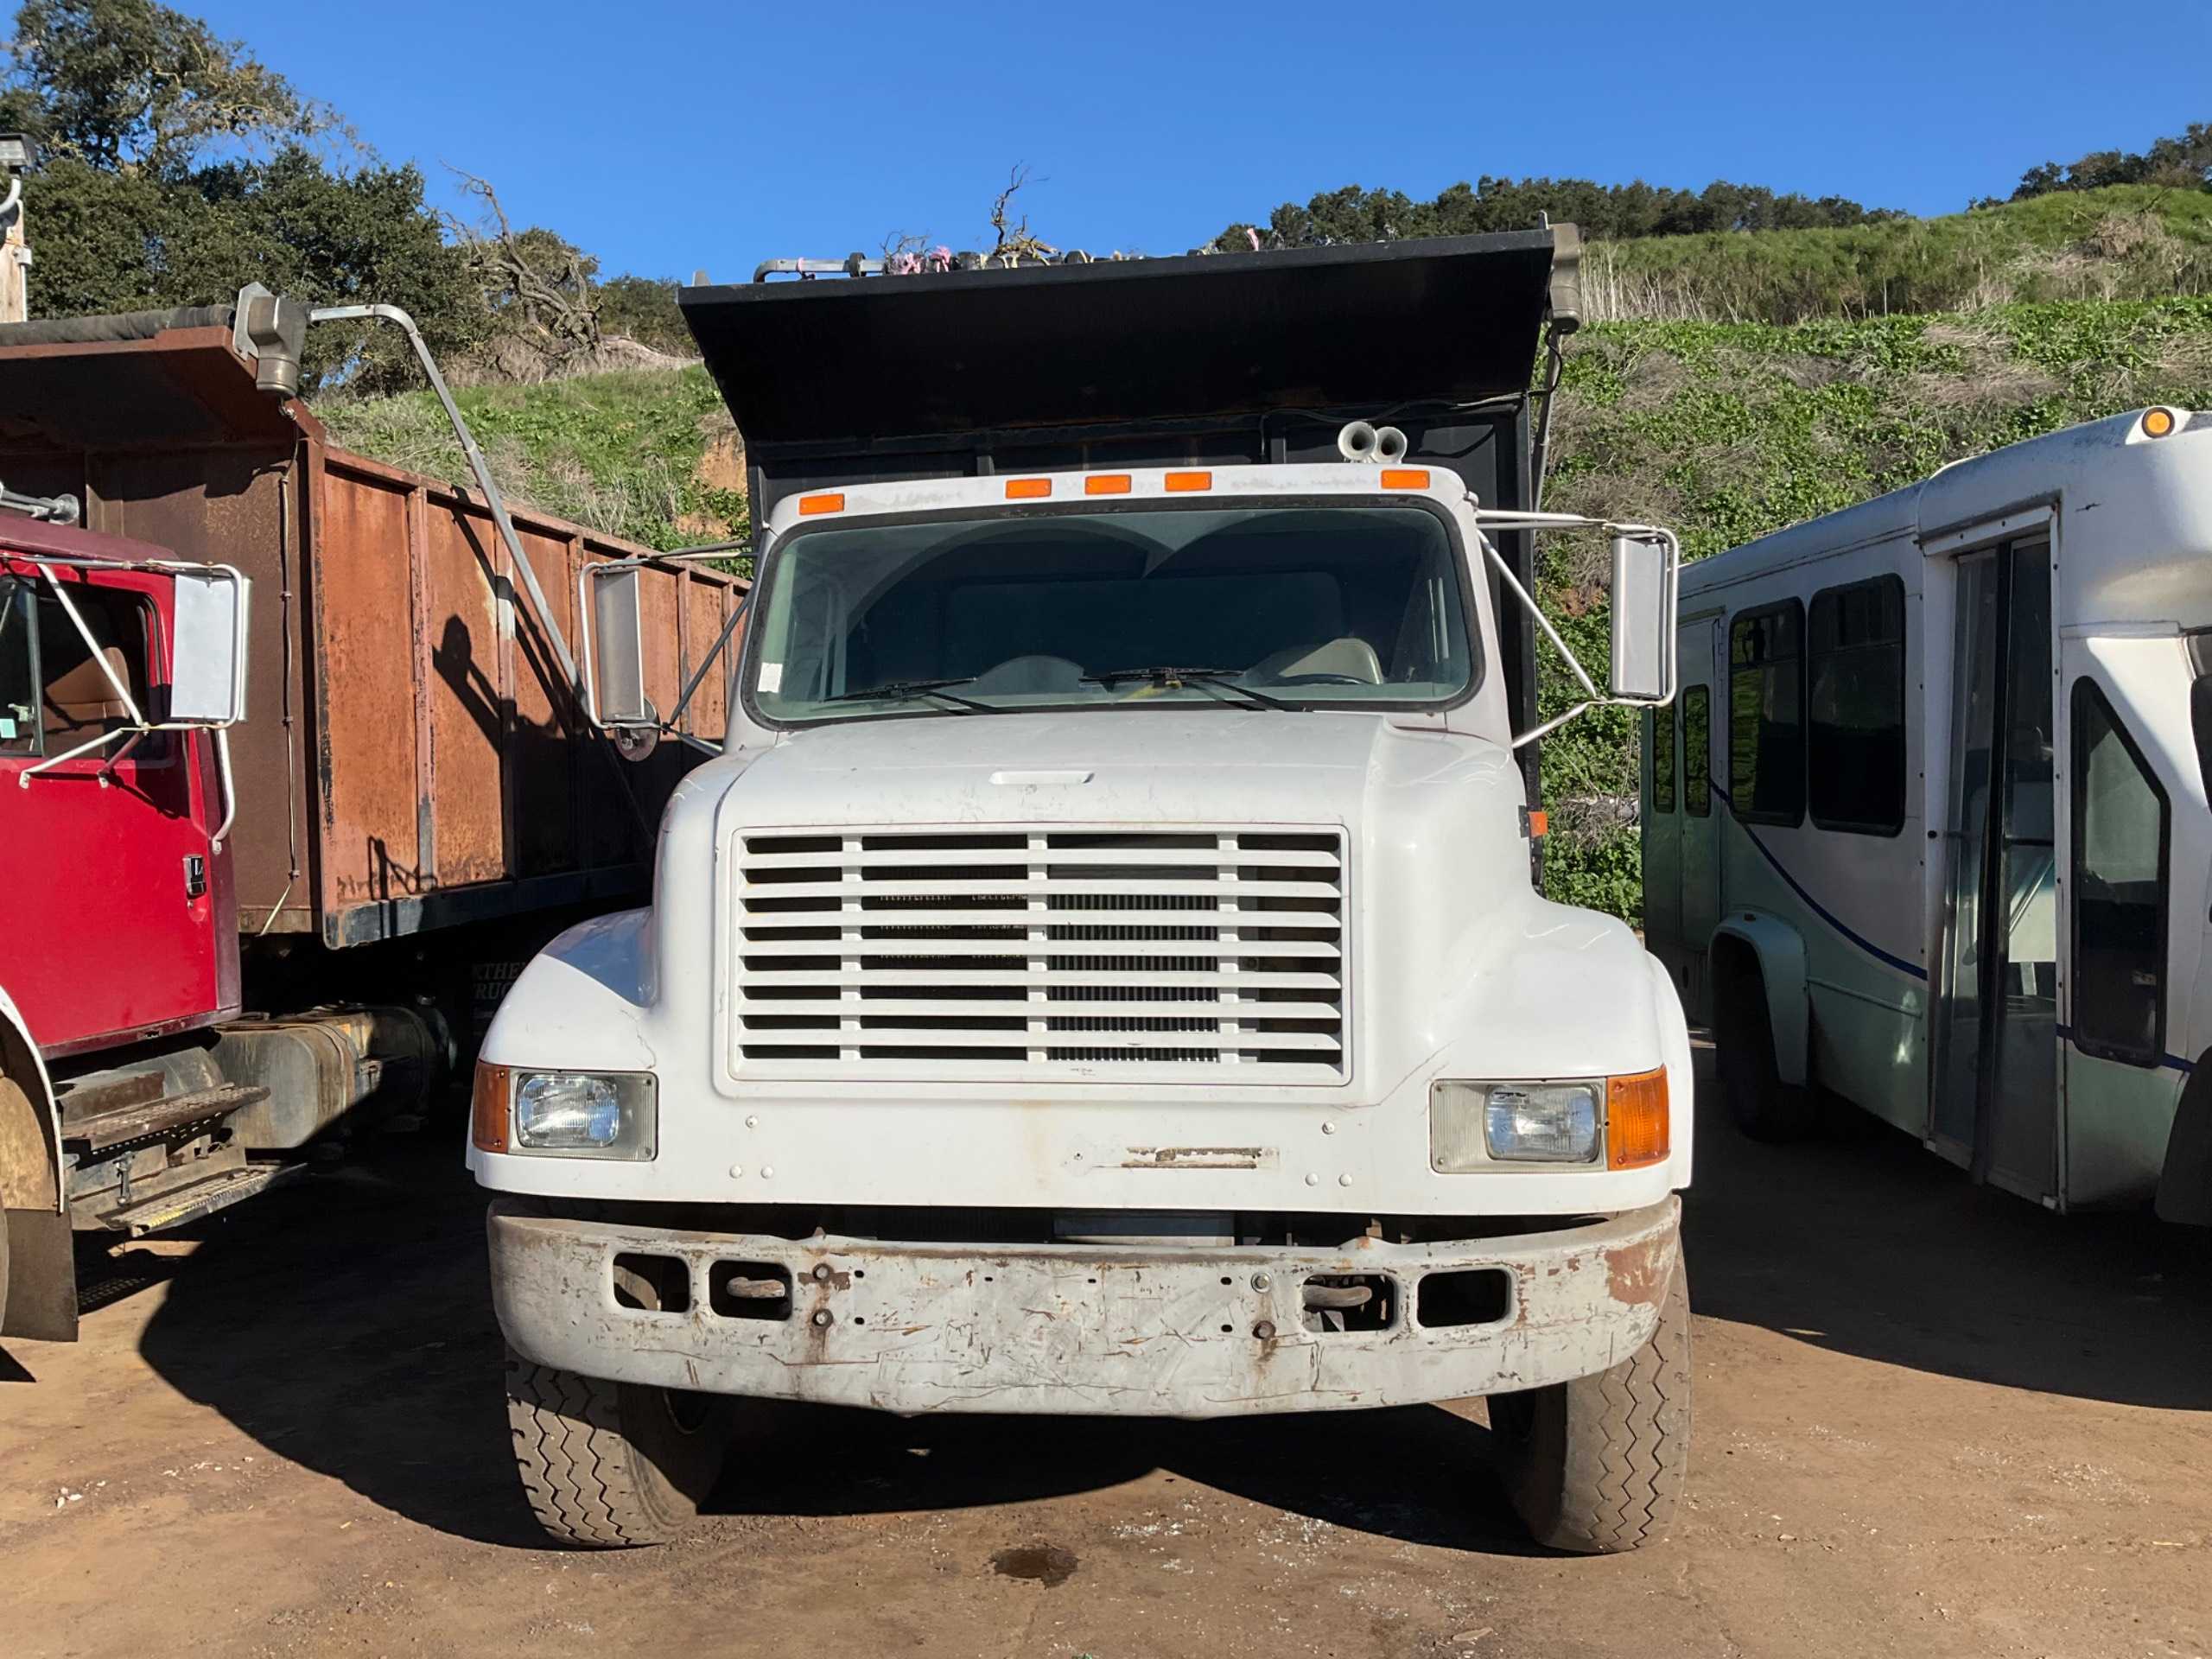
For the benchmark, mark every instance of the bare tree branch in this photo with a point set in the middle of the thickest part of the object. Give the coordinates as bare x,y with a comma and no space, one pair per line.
1014,241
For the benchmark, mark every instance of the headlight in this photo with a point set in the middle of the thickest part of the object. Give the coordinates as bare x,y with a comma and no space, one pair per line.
1472,1124
586,1114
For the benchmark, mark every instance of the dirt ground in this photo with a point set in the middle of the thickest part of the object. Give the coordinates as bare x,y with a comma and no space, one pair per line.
1929,1420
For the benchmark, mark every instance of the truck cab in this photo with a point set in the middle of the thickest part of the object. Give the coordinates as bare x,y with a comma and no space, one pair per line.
1103,972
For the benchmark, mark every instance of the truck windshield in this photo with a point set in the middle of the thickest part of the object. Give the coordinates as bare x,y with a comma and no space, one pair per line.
1250,607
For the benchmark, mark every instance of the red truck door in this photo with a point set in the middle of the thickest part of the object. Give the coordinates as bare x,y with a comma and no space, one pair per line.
117,918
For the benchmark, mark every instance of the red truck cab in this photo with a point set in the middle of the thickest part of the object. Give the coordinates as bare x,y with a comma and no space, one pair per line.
118,870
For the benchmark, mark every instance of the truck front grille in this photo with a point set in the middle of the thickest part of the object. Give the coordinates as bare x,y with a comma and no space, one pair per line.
1006,953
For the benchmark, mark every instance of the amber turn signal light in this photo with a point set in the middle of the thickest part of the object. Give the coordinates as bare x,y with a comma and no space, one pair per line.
1635,1120
487,1114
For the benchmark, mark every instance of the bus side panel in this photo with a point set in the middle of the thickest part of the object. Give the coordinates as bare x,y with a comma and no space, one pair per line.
1851,896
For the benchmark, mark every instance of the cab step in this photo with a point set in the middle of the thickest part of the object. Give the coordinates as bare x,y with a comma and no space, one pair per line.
141,1121
181,1204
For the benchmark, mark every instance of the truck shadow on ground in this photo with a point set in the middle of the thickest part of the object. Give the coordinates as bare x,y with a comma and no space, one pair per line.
1862,1241
345,1323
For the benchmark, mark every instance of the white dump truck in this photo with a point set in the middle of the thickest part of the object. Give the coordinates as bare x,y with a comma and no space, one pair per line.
1103,971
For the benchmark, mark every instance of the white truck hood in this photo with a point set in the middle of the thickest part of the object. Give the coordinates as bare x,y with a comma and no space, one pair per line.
1145,765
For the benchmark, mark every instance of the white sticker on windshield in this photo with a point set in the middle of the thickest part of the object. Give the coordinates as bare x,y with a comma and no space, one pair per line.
772,677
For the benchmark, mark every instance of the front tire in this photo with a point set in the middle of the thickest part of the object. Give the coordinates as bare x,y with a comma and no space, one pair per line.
610,1465
1595,1465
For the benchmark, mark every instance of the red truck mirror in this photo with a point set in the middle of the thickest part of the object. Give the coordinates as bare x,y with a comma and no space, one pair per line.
208,654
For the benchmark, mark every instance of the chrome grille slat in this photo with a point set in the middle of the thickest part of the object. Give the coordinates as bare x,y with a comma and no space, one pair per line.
1108,955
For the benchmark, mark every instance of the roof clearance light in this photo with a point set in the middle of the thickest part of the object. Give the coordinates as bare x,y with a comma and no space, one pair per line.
1106,484
1027,489
1405,478
811,505
1178,483
2156,422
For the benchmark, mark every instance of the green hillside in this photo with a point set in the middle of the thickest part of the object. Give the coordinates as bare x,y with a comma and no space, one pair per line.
1740,383
2120,243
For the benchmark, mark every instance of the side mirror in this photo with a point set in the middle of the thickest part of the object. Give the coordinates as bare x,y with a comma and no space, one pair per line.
208,652
1643,620
610,598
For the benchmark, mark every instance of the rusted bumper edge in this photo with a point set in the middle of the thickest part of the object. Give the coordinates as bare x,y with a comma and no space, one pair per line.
1077,1328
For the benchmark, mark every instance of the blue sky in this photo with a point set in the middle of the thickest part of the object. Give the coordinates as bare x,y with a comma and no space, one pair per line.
668,137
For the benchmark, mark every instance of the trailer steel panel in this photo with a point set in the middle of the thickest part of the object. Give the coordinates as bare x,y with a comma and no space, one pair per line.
412,758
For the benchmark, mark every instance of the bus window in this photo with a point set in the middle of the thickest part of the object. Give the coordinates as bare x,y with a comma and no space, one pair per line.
1697,751
1766,718
1662,759
1854,759
2119,881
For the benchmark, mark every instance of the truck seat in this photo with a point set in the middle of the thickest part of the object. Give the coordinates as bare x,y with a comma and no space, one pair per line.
1033,673
1349,656
80,702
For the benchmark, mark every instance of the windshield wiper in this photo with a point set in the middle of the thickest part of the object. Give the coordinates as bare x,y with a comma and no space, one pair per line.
1206,679
907,691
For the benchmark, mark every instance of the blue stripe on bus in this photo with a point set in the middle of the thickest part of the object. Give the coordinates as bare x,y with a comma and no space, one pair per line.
2168,1062
1818,908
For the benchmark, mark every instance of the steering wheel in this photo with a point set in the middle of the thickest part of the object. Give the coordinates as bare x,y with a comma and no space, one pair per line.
1320,679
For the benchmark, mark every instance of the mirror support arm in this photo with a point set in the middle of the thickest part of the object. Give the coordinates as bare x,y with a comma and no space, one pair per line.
92,646
715,651
1592,698
493,499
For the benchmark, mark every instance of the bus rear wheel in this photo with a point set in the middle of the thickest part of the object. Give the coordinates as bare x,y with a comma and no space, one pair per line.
1764,1107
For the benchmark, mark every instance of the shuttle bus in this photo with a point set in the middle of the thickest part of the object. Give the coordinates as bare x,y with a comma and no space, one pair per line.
1926,828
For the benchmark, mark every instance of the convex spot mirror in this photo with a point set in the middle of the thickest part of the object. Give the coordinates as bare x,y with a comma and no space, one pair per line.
1644,619
207,653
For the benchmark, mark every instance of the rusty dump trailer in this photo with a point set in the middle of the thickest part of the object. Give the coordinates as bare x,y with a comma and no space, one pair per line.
205,980
412,759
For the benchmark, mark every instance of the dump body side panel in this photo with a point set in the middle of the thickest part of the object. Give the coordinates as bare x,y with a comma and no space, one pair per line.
410,759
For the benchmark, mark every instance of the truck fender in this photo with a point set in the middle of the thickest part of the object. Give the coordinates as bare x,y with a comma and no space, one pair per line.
1778,951
2185,1182
30,1142
38,1266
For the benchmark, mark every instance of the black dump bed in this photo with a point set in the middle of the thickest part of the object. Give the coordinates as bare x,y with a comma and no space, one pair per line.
1214,359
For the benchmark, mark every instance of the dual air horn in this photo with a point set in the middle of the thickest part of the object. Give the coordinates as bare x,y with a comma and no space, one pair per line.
1381,445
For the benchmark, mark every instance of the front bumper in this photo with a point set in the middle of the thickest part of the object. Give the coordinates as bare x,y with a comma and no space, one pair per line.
1074,1328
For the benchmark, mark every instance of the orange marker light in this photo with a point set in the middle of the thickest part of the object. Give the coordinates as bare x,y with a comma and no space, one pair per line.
1540,825
1106,484
1027,489
1405,478
1635,1120
1177,483
488,1109
2156,422
811,505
